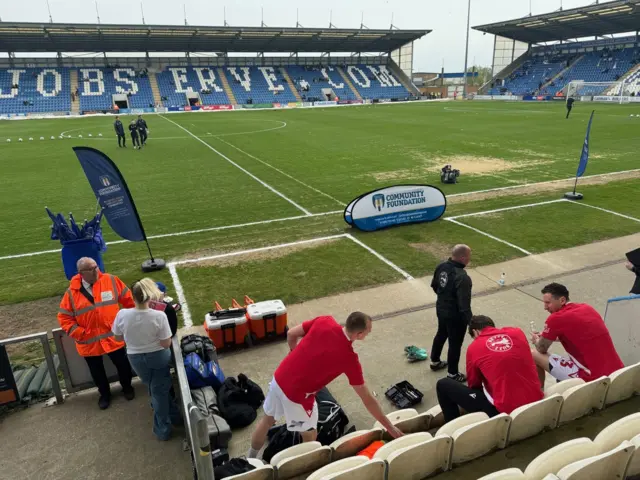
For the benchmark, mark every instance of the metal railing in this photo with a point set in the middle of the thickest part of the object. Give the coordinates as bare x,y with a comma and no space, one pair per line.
194,421
43,337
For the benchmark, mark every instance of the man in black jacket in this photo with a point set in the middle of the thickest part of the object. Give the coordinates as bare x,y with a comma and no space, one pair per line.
133,130
142,130
122,139
570,102
453,307
636,285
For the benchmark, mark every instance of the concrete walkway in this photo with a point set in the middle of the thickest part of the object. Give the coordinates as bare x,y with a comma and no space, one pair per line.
76,440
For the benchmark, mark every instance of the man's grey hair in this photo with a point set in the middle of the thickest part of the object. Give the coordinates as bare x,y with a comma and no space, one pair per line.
460,250
83,262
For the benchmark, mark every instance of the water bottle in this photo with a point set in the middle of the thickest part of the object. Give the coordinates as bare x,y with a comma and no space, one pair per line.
532,327
501,282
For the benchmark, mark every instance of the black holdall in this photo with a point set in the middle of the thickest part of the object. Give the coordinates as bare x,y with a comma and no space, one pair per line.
332,420
239,400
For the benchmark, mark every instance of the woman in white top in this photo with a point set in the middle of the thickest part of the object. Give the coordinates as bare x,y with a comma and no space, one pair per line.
146,332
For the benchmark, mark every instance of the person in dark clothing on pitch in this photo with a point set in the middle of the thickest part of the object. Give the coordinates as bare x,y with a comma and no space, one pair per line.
122,139
570,101
453,307
142,130
133,129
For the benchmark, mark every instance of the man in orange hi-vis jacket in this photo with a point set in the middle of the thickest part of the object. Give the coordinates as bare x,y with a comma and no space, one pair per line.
87,311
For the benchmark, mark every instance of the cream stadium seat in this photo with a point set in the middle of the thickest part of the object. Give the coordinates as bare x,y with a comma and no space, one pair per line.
508,474
563,386
420,460
437,418
475,440
300,459
558,457
611,465
613,435
261,472
338,467
582,399
624,384
371,470
634,464
462,421
352,443
419,423
398,416
402,442
531,419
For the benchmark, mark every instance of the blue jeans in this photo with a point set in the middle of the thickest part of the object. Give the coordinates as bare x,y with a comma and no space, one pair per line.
153,370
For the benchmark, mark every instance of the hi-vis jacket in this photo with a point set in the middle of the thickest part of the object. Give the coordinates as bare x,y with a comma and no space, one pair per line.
89,323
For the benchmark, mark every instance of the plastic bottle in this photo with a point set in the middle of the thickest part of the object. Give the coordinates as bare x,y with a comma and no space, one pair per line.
502,280
532,327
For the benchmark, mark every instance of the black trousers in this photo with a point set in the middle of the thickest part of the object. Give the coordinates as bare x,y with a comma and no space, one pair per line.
452,395
452,329
122,141
99,375
134,139
143,136
568,111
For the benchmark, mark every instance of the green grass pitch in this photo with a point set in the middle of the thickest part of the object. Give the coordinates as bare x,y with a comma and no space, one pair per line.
195,174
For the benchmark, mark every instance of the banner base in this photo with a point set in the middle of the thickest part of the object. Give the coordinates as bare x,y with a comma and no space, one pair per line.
573,196
153,265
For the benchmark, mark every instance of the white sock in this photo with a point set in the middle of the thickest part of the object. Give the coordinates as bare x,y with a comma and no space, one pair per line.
252,453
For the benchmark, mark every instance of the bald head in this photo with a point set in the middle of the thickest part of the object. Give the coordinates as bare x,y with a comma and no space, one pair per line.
461,253
88,268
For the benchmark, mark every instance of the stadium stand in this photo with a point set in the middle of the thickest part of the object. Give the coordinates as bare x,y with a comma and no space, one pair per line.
176,82
311,81
97,86
35,90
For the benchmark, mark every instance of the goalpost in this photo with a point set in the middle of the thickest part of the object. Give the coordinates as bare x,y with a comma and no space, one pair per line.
621,91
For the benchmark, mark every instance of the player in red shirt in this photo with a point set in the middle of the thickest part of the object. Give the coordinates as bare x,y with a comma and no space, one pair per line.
321,350
501,373
583,334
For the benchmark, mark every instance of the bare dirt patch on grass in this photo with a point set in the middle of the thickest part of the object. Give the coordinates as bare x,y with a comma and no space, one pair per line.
262,256
536,188
436,249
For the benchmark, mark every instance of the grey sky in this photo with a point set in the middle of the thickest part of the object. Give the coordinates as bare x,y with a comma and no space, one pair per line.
446,18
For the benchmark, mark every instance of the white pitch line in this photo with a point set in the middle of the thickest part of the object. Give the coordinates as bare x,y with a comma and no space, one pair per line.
379,256
264,184
516,207
186,314
449,219
284,124
188,232
256,250
608,211
283,173
547,182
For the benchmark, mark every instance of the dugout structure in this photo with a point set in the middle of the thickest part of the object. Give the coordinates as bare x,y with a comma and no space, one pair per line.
561,29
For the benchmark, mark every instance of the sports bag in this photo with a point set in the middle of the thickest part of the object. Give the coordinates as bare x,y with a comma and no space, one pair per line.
239,400
332,420
201,374
235,466
219,431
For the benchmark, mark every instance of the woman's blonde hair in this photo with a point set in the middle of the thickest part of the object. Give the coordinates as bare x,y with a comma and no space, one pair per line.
145,290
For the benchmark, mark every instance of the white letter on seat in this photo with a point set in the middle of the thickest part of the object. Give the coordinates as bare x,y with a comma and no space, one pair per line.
133,86
384,76
98,79
367,82
270,77
58,83
179,78
207,83
15,80
326,75
245,81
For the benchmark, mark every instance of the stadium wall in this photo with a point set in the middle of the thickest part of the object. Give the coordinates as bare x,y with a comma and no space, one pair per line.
621,318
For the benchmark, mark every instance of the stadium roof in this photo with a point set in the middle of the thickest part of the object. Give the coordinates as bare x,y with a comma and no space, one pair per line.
594,20
58,37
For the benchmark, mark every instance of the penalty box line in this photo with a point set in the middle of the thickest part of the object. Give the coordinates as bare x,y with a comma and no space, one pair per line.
186,313
223,156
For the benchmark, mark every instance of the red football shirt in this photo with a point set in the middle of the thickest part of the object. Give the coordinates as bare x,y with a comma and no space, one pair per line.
500,361
583,334
323,354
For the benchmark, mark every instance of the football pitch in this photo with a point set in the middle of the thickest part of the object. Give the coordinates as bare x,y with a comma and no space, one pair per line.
251,202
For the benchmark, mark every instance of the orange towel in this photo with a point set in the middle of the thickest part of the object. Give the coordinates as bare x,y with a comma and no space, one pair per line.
371,450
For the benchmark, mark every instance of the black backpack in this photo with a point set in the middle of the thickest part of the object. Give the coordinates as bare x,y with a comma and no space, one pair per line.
239,400
233,467
279,439
201,345
332,420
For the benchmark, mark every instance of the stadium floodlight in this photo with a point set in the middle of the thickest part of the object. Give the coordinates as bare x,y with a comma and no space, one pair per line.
621,91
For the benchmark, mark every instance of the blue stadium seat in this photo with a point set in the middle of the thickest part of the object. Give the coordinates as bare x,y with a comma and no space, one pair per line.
310,81
260,84
375,82
40,90
98,85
